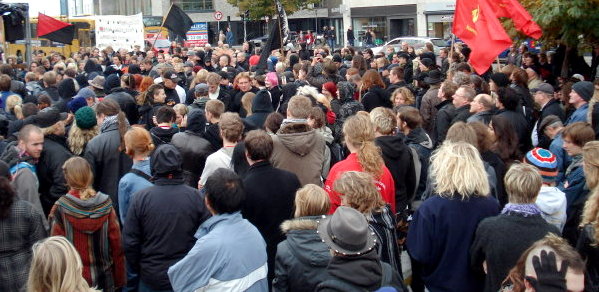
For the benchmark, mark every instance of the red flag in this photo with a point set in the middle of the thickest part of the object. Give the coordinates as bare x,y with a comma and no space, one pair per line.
521,18
55,30
477,25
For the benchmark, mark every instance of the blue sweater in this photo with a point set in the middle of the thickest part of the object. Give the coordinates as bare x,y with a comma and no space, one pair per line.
130,183
439,239
230,255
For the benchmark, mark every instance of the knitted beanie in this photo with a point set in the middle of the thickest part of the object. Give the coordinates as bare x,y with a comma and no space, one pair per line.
85,118
544,161
585,89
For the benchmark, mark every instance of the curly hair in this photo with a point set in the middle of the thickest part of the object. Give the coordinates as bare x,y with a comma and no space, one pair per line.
358,190
78,138
590,215
359,132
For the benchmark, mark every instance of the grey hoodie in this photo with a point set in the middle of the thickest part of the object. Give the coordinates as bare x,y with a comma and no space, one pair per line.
552,203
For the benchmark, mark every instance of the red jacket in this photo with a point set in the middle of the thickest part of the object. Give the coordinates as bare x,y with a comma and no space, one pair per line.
384,184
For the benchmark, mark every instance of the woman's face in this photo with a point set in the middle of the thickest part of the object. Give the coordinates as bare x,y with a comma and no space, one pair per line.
267,83
399,99
327,93
160,96
571,148
179,119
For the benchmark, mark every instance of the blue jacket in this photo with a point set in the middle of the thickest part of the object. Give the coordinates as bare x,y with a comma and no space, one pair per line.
573,184
562,158
130,183
229,255
439,239
579,115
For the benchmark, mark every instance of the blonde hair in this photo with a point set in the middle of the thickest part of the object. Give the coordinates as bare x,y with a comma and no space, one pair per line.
311,200
79,176
359,132
56,267
522,183
406,93
590,215
358,190
78,138
457,169
383,120
246,101
199,78
462,132
13,104
181,109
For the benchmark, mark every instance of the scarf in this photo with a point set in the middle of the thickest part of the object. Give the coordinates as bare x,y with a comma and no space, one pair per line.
108,121
576,162
521,209
289,121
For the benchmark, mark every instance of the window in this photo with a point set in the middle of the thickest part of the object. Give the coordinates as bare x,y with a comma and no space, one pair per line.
195,5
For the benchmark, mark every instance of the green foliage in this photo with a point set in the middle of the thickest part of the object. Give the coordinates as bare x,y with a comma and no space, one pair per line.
573,22
260,8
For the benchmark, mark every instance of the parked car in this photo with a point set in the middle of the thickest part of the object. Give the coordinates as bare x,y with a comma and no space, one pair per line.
259,41
416,42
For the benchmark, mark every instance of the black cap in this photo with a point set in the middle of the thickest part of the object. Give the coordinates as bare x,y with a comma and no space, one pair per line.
48,117
170,74
166,159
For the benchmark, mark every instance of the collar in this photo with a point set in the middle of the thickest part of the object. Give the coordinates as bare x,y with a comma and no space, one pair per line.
262,163
211,222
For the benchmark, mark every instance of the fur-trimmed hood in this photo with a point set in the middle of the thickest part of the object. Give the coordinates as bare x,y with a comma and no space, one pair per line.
302,223
304,243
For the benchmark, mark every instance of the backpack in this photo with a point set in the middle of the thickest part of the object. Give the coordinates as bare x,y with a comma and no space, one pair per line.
140,173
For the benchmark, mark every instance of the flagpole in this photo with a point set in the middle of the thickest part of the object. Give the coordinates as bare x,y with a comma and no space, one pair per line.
451,49
498,64
280,32
161,26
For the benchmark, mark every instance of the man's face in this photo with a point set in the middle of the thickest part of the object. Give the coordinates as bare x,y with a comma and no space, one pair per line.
116,61
539,98
240,57
244,84
476,106
223,61
212,88
33,145
160,58
575,99
459,99
169,84
571,148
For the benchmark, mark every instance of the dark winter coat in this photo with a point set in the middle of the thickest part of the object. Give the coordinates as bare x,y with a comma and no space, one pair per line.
375,97
193,147
108,163
236,105
270,193
52,184
52,92
446,112
496,244
423,144
587,247
126,103
461,114
162,135
275,96
398,159
440,236
302,258
394,86
360,273
146,114
261,108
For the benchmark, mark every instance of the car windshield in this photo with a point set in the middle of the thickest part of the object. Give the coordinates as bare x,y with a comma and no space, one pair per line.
439,42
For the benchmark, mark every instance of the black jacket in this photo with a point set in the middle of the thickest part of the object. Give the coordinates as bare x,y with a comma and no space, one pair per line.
553,107
193,147
360,273
398,159
275,96
270,193
589,251
595,119
261,108
302,258
126,103
375,97
52,92
446,112
236,105
394,86
212,134
146,114
52,184
520,125
160,227
107,162
162,136
461,114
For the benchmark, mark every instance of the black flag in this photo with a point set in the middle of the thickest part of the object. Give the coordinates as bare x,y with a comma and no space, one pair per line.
178,22
273,43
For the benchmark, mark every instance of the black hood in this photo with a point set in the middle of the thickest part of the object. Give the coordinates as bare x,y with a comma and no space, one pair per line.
66,88
112,81
364,270
390,146
196,122
382,95
164,135
262,102
166,159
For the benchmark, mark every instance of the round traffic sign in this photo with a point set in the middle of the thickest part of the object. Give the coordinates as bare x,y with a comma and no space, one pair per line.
218,15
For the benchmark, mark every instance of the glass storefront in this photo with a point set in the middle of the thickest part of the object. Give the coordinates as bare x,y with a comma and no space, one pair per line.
375,24
439,26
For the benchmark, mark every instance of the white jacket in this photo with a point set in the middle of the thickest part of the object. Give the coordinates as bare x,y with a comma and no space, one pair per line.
552,203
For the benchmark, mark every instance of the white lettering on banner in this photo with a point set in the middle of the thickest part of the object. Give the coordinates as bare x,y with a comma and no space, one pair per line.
119,31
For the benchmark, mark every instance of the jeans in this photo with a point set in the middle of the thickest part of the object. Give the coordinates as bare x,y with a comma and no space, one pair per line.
144,288
351,42
132,281
331,43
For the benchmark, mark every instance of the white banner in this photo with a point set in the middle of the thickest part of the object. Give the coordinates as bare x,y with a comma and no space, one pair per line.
119,31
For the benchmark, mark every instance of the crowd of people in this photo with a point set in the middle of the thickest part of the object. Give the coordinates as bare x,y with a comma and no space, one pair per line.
197,169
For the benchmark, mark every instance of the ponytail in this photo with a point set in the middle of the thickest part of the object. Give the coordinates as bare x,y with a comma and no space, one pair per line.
359,132
370,158
123,126
18,111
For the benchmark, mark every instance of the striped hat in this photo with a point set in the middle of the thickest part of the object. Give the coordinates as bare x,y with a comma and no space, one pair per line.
544,161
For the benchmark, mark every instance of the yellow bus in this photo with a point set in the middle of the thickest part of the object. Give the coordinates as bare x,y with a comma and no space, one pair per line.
84,37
